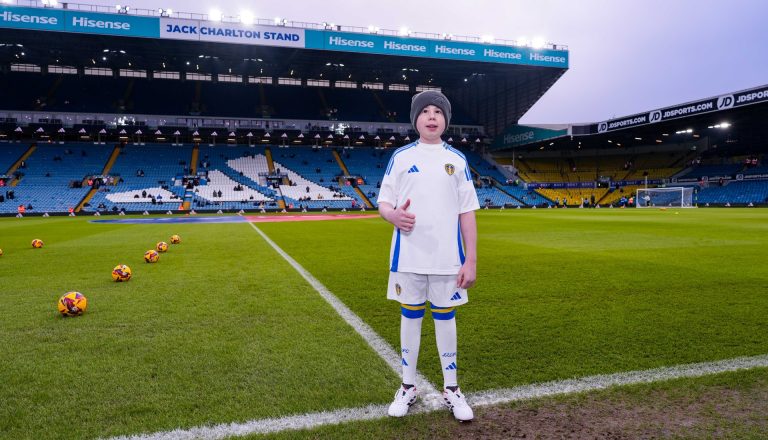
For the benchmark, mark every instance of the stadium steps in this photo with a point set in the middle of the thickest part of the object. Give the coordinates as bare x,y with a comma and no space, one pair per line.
362,195
524,170
18,162
188,196
193,160
341,163
107,167
243,180
605,196
501,188
86,199
541,194
270,162
111,161
475,176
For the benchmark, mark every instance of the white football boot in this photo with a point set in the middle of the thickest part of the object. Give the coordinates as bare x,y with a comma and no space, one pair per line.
456,402
404,398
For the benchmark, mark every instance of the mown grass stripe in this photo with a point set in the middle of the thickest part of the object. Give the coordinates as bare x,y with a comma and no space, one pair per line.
430,397
486,398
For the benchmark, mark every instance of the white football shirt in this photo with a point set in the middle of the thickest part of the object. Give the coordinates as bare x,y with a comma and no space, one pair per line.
437,180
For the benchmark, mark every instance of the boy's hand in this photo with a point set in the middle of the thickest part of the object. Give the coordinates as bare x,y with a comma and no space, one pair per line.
467,274
402,219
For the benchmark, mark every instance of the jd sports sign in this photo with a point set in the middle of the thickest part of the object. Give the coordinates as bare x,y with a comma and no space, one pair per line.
723,102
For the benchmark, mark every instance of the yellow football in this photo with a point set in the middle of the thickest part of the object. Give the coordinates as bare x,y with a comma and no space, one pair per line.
151,256
72,304
121,273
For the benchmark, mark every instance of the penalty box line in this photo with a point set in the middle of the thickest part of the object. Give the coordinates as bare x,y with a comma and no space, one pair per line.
430,396
484,398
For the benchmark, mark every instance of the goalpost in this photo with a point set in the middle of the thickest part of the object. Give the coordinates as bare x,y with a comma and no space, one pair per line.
676,197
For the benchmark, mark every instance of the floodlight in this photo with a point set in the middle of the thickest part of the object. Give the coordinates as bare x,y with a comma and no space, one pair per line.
246,17
214,15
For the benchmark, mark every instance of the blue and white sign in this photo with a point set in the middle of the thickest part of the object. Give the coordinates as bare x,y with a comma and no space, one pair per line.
111,24
64,20
417,47
198,30
31,18
76,21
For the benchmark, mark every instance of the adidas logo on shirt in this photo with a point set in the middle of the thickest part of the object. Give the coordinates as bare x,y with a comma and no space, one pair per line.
413,169
404,362
456,297
452,366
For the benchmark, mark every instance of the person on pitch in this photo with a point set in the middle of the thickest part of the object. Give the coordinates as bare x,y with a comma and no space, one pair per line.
428,195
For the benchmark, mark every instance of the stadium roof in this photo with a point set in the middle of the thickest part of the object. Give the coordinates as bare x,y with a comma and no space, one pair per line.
737,117
494,83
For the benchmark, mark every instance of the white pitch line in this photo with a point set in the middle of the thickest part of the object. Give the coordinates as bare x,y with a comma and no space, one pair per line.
266,426
485,398
603,381
430,397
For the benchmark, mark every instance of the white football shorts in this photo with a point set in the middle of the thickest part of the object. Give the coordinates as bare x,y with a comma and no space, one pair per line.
415,288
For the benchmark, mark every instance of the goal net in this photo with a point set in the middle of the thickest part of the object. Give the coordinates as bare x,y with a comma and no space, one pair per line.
677,197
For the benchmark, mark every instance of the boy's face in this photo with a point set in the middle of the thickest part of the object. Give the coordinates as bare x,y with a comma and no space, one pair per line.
430,123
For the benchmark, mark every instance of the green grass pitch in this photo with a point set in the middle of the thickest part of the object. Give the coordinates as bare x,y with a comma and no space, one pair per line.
223,330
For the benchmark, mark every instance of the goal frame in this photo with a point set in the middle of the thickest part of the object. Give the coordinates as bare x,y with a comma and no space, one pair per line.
685,199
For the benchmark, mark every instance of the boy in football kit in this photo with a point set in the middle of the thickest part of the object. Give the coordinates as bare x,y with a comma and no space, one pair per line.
428,195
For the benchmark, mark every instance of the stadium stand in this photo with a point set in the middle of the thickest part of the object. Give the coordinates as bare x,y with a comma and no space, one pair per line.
227,164
573,196
52,177
9,154
154,177
492,197
739,192
145,168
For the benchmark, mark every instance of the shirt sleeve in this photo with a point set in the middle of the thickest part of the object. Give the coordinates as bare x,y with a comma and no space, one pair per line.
467,194
389,186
